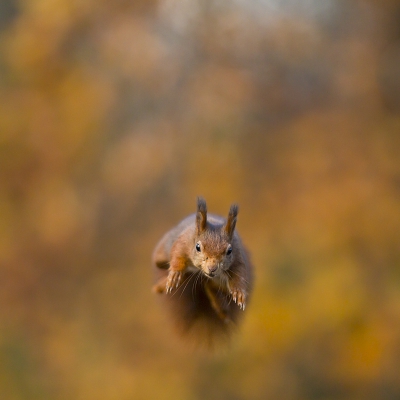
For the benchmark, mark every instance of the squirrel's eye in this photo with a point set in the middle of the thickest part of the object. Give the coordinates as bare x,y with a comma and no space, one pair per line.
198,247
229,251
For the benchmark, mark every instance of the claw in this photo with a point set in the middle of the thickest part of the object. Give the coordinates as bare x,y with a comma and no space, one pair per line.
239,297
173,281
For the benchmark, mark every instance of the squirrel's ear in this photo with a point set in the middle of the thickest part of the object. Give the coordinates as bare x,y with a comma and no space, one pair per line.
231,221
201,215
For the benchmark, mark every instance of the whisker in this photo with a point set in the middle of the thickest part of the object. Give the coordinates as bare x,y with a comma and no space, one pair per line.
229,278
241,277
175,291
198,275
219,290
190,276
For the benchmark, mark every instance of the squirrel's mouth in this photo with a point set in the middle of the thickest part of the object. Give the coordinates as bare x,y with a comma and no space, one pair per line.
210,274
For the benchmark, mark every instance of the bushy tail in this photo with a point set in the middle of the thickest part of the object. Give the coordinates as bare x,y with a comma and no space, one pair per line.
194,317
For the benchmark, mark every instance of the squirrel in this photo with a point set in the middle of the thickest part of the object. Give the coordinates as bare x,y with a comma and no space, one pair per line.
205,273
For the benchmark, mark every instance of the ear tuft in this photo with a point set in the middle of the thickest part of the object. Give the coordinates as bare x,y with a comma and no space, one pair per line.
231,221
201,215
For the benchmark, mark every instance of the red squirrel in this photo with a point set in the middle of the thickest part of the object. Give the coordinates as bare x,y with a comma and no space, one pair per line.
205,273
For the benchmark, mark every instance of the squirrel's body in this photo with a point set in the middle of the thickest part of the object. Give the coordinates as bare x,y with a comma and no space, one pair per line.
201,267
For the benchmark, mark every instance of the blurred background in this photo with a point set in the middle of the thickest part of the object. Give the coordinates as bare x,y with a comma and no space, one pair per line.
114,116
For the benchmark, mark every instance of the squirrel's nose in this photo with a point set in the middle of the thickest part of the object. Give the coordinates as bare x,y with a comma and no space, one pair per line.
211,270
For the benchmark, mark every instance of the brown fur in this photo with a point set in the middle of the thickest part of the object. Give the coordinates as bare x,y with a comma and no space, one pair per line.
204,272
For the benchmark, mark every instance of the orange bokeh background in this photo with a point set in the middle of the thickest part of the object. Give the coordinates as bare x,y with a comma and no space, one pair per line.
114,116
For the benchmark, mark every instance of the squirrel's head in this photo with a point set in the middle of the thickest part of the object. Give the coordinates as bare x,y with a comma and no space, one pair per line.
214,246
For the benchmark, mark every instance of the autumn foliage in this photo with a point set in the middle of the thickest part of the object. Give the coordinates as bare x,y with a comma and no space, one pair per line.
114,116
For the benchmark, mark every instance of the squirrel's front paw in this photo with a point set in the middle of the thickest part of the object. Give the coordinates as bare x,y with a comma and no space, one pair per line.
173,280
239,297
